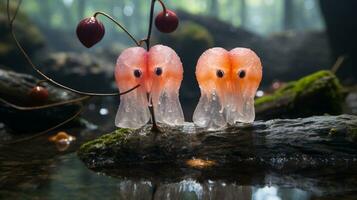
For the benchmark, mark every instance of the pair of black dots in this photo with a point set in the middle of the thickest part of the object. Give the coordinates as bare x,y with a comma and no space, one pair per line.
220,73
138,73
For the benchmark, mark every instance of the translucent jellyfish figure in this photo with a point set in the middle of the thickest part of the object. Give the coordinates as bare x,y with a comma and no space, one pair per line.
159,71
228,81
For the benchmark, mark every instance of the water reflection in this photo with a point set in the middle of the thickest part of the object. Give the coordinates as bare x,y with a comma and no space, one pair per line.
71,177
191,189
266,193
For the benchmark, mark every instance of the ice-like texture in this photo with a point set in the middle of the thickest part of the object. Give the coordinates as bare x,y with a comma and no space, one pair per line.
159,72
246,60
228,81
133,110
166,70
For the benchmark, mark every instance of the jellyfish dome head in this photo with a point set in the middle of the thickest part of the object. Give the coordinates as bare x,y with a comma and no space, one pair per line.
130,69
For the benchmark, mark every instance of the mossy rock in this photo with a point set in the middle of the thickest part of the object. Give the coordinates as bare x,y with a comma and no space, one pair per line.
302,142
316,94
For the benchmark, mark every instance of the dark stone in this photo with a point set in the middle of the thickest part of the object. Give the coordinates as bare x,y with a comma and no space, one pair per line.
80,70
284,144
15,88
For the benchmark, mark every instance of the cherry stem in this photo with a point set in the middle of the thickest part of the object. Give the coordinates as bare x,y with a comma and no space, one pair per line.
20,47
147,40
163,5
138,43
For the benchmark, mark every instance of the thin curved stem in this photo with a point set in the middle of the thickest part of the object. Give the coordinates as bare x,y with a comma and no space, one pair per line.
118,24
11,20
28,108
147,41
162,5
44,75
151,17
47,130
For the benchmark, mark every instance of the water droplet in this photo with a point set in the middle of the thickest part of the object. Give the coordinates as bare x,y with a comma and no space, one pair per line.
103,111
260,93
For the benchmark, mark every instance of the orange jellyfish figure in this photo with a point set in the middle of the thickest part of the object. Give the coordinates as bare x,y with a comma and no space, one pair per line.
159,71
228,81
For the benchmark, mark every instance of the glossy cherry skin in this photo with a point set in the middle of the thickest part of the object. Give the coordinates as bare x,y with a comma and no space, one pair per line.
90,31
166,22
39,94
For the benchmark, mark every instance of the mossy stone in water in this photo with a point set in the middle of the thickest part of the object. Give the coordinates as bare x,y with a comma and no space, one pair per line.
315,94
297,142
117,136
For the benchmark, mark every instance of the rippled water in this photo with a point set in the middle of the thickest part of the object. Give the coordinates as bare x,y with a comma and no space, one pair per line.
36,169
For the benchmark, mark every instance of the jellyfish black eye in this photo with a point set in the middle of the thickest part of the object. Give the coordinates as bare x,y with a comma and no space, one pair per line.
158,71
137,73
219,73
241,74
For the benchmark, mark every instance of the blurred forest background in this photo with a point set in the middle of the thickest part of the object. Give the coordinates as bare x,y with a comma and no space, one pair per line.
292,37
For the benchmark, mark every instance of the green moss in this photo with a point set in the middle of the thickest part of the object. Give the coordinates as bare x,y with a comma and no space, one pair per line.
320,92
332,132
117,136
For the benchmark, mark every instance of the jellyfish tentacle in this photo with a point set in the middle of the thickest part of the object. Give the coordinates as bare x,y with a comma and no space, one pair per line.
208,113
133,110
167,108
233,109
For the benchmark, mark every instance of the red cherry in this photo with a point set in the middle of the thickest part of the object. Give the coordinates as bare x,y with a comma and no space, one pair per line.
39,94
90,31
166,22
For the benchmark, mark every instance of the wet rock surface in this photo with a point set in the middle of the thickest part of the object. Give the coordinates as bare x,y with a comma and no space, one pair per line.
281,144
15,88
